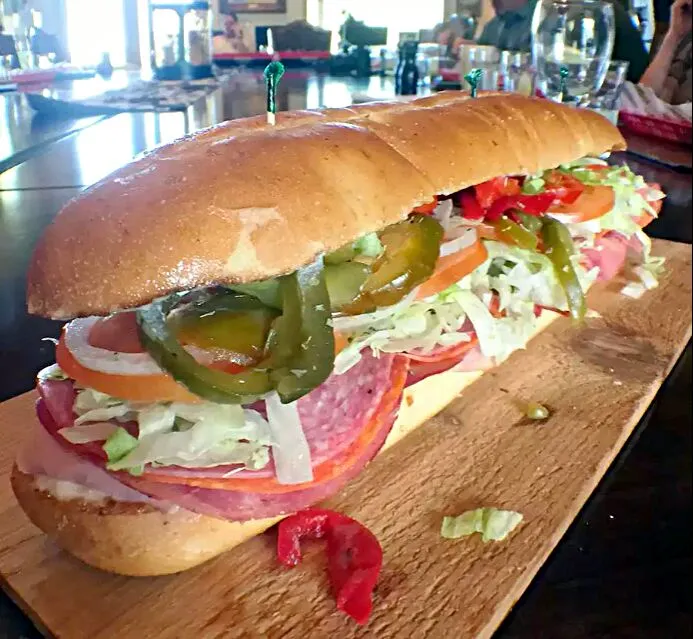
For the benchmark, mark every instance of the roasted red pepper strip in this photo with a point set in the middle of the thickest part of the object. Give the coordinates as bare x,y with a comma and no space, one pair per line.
354,555
530,204
488,192
471,209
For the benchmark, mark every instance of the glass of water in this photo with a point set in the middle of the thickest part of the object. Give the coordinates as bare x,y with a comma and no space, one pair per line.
610,91
572,41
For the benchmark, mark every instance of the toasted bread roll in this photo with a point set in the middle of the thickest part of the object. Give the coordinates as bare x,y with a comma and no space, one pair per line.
244,201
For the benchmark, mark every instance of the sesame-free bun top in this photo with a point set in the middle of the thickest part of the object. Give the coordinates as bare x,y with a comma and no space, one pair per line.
244,201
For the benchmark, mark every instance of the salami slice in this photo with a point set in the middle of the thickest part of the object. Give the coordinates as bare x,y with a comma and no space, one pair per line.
332,416
240,505
466,362
54,411
58,397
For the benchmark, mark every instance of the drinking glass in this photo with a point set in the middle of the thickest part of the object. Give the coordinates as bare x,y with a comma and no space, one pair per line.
572,41
608,94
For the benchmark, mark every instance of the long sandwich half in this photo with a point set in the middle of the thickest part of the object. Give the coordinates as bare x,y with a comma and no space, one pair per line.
248,305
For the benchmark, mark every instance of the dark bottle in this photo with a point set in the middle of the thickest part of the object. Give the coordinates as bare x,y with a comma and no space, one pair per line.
105,68
407,74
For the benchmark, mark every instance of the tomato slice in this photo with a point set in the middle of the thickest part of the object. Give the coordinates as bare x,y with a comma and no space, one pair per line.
564,187
592,203
326,471
428,208
135,388
488,192
340,342
452,268
119,334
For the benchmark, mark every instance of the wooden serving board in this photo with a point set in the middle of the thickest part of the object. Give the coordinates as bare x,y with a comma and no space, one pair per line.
598,380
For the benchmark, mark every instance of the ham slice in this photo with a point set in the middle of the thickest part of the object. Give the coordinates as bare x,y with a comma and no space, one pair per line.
44,457
609,254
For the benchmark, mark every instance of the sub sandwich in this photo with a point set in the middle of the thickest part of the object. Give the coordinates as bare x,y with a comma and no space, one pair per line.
247,307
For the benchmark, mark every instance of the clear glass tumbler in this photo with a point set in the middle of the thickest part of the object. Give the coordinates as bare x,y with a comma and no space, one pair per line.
572,42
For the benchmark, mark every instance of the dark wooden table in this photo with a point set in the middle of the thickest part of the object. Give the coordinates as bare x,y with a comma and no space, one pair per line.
21,129
623,570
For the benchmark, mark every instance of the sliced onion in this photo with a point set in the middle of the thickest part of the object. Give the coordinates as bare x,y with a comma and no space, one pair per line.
464,238
443,213
102,360
86,433
116,363
290,450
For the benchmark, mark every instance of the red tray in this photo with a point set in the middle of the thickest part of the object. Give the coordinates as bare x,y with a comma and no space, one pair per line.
679,131
450,75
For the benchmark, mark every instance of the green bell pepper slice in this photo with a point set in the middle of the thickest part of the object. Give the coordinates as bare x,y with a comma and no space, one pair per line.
558,246
302,344
214,385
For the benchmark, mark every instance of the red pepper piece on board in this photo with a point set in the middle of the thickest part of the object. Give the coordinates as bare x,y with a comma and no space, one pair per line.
530,204
354,555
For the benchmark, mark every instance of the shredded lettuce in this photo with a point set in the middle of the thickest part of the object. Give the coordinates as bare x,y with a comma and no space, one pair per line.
85,433
533,185
368,245
632,198
493,524
188,435
51,373
119,444
521,276
522,279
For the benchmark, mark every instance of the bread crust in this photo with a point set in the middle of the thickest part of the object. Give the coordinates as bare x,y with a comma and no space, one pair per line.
243,201
133,539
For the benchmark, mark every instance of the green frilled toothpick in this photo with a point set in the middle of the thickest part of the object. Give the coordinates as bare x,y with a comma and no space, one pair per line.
472,79
563,73
273,74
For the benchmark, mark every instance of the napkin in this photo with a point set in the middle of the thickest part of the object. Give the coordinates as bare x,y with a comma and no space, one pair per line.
642,100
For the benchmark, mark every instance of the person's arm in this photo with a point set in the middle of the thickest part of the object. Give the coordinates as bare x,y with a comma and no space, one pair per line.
680,25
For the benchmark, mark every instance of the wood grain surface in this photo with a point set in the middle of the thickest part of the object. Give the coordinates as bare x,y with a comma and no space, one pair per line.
597,379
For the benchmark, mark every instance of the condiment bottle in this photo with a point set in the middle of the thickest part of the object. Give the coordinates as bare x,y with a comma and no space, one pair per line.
407,74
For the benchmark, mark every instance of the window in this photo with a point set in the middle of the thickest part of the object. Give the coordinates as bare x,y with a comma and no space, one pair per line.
396,15
95,28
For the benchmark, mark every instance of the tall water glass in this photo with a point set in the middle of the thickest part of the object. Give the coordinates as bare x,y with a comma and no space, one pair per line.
572,41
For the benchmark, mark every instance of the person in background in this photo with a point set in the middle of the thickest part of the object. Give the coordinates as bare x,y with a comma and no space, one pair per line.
232,40
511,29
669,73
451,34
